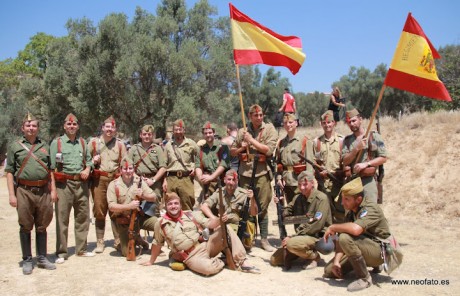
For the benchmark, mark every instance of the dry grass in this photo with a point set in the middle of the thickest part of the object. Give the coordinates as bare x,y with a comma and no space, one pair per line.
423,164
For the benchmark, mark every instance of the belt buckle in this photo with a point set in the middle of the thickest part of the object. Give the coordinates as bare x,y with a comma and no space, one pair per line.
35,190
179,174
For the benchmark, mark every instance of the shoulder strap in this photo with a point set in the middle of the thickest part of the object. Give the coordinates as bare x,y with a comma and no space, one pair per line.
190,216
83,147
318,145
94,147
34,156
304,144
119,151
141,159
369,145
29,154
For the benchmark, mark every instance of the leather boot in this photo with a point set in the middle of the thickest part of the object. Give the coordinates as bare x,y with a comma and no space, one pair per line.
141,242
27,263
266,245
288,259
116,236
42,261
364,278
100,231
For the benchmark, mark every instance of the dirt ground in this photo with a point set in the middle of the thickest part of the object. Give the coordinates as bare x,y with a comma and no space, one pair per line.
428,238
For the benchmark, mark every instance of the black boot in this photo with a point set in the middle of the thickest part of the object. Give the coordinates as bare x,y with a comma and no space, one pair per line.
42,261
364,278
27,263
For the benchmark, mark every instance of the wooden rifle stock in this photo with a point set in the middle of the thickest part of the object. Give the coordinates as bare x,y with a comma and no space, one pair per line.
131,255
318,168
228,254
279,211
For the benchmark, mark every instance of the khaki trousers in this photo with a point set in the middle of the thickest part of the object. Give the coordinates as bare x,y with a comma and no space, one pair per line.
34,209
184,188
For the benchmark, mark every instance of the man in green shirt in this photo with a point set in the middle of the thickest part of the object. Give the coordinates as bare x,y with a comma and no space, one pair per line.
72,164
32,191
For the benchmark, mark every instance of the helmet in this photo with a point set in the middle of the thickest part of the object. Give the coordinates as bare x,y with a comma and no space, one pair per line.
325,247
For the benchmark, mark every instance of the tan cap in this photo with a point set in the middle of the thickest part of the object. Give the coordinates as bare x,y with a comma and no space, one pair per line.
170,196
289,117
327,116
350,114
110,120
29,117
148,128
353,187
255,108
233,173
208,125
126,162
179,123
306,174
70,117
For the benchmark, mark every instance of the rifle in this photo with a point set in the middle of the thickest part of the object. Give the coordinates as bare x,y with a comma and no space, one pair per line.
381,172
131,255
318,168
242,234
228,254
302,219
279,211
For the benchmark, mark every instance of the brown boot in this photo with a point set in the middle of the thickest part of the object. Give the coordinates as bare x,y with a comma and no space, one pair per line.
364,278
288,259
100,231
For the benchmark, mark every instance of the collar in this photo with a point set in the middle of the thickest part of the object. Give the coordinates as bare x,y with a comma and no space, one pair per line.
178,219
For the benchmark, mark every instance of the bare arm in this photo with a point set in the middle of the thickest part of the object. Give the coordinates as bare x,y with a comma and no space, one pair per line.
156,250
12,194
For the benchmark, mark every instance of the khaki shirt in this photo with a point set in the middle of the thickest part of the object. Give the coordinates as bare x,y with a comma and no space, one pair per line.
370,217
377,147
33,170
126,192
179,235
187,151
151,163
111,153
266,135
75,156
210,158
318,210
330,154
233,204
288,156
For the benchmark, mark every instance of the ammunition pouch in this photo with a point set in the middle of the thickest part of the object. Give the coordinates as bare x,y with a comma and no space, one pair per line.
250,157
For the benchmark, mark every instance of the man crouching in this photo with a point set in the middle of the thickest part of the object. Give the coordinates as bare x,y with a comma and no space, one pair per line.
183,231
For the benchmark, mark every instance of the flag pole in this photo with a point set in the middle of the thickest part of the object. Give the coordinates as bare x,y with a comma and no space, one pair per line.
240,95
371,120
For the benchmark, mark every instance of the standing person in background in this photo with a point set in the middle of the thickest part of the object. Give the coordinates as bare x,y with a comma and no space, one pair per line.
259,140
335,103
72,164
288,103
232,131
107,152
34,192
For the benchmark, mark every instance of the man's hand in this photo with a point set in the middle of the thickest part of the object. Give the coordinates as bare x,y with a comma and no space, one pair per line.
85,173
361,143
224,217
284,242
149,181
247,137
134,205
97,159
337,270
328,233
206,179
13,201
54,197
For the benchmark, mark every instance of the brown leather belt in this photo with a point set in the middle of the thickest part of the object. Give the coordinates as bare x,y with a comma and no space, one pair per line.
179,174
250,157
98,173
36,183
58,176
147,175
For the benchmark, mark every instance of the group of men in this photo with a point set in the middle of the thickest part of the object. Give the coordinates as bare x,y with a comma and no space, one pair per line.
159,183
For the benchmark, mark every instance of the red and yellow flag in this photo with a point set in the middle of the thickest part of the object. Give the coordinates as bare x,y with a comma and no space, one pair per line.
413,68
256,44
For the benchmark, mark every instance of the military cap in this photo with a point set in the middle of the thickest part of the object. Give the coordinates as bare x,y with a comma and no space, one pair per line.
306,174
29,117
327,116
255,108
289,117
70,117
148,128
110,120
233,173
126,162
351,113
208,124
170,196
353,187
179,123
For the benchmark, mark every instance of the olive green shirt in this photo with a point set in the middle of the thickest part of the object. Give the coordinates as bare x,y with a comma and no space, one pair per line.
370,217
329,154
232,203
210,158
377,147
33,170
111,153
318,210
151,163
187,152
266,135
73,154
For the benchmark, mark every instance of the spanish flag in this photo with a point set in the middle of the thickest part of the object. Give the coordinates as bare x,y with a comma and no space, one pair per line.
413,68
256,44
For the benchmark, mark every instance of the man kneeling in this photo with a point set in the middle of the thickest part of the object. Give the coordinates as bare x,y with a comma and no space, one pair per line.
124,195
183,230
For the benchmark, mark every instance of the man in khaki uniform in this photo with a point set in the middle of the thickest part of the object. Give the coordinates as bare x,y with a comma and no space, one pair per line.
32,191
150,164
358,244
107,152
213,159
124,195
72,164
260,139
234,198
182,230
181,154
302,244
373,155
328,154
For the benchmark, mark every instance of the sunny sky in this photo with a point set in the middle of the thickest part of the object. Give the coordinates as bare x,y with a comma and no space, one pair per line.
336,34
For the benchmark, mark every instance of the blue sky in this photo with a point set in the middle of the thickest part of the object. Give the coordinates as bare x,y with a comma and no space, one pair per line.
336,34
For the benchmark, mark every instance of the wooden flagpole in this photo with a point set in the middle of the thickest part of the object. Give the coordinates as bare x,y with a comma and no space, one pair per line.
240,95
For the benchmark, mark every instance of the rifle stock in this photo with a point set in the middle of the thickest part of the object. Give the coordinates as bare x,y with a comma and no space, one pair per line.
131,255
279,211
228,254
318,168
